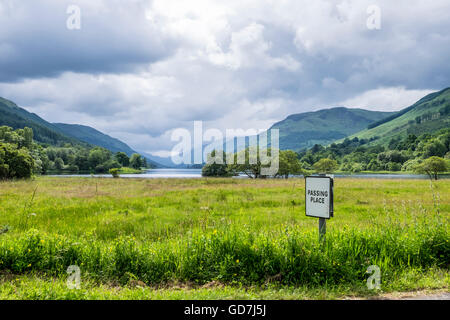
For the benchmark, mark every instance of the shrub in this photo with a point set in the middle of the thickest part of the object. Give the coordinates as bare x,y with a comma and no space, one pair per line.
325,165
14,162
114,172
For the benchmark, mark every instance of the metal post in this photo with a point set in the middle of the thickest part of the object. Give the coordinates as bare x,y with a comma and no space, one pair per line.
322,228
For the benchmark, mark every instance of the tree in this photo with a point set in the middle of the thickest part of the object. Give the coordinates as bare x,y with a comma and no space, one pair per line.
432,166
248,161
325,165
22,164
105,166
28,137
82,160
123,159
14,162
97,156
59,164
214,168
136,161
391,156
144,162
114,172
434,148
289,164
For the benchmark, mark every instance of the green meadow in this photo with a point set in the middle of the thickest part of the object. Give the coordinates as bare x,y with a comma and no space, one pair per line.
215,238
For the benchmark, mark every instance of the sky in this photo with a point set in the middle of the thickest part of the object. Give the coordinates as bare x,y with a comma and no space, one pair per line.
137,70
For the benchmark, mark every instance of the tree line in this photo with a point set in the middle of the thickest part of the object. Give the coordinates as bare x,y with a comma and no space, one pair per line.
21,157
427,153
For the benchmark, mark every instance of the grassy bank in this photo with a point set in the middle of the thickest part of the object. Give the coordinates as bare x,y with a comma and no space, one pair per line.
231,233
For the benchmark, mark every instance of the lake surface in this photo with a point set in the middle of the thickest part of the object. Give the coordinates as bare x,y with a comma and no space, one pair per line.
197,173
150,174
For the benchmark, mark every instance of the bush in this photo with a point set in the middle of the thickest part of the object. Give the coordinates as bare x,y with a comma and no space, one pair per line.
411,165
14,162
357,167
393,166
104,167
325,165
114,172
73,168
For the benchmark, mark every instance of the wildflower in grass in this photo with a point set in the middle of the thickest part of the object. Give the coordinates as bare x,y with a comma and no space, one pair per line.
237,261
29,265
215,231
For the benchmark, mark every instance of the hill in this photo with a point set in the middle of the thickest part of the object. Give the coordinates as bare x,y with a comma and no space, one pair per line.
95,137
59,134
44,132
428,115
304,130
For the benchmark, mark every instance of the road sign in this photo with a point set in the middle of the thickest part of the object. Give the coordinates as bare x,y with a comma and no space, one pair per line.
319,200
319,197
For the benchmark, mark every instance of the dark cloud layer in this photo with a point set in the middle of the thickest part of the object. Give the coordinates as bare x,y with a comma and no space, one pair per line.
114,37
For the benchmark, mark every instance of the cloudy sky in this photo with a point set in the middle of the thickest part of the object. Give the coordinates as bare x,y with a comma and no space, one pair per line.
139,69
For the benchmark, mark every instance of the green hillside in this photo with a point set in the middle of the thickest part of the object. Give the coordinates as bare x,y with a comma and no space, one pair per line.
95,137
59,134
304,130
428,115
44,132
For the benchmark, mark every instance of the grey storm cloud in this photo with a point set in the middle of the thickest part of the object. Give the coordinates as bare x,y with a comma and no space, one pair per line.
138,69
114,37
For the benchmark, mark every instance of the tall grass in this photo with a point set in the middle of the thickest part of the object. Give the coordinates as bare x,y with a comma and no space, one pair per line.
234,232
233,255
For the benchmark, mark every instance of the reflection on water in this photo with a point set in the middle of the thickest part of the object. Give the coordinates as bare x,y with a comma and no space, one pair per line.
197,173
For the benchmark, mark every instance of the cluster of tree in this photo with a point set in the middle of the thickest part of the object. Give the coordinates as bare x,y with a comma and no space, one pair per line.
16,149
250,163
401,154
97,159
428,153
20,156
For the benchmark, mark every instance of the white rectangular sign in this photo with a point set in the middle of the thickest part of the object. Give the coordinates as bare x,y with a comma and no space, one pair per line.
319,197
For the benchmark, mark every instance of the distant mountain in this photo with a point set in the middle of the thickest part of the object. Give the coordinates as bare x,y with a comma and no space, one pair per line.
58,134
165,162
95,137
429,114
44,132
303,130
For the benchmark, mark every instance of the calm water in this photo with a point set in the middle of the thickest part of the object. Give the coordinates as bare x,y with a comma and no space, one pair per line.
154,173
197,173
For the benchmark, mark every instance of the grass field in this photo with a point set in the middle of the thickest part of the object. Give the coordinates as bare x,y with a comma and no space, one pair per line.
218,238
